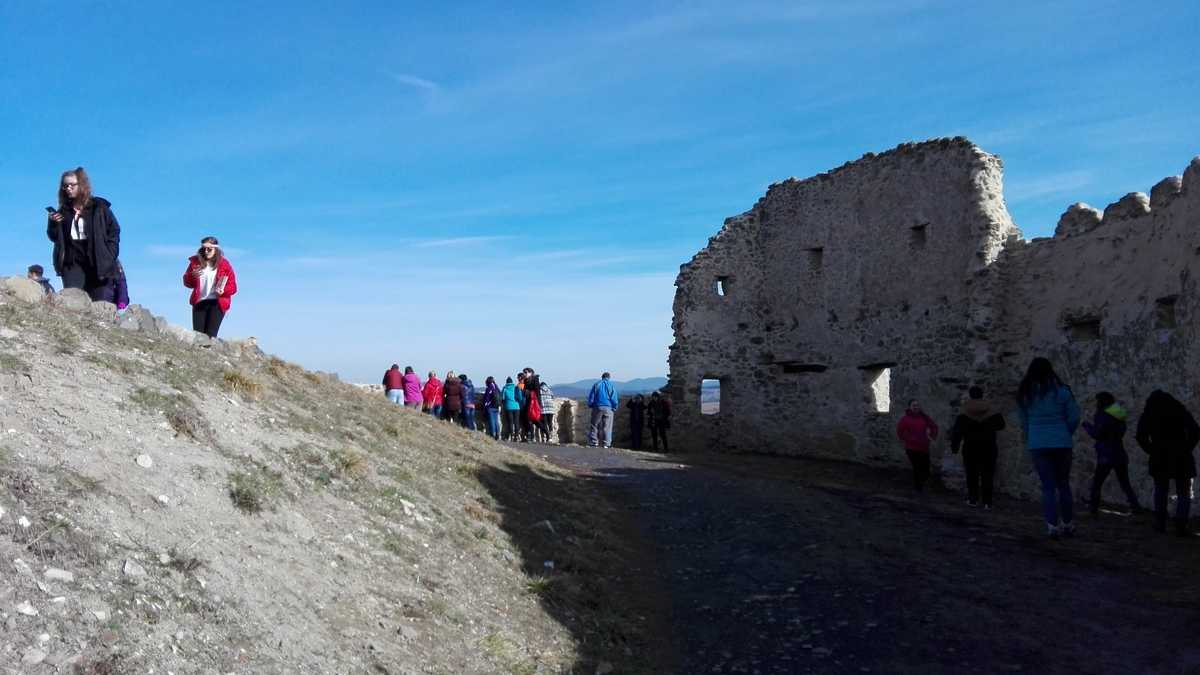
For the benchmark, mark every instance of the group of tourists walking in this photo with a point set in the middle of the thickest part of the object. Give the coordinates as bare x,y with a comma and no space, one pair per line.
87,248
1049,417
520,410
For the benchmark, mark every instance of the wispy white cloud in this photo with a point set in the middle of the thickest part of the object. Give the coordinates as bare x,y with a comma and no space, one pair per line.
1049,185
413,81
458,241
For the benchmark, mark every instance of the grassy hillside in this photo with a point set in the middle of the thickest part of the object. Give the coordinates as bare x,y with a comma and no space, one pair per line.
185,508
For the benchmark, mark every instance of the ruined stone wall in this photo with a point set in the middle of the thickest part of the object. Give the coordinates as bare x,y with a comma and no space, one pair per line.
901,276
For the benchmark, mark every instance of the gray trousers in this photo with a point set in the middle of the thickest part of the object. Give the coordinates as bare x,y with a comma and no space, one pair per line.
600,430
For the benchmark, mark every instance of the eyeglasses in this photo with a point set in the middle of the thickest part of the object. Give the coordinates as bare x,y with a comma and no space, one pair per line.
70,185
209,248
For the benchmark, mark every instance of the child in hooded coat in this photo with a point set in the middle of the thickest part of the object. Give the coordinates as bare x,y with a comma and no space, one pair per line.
1108,428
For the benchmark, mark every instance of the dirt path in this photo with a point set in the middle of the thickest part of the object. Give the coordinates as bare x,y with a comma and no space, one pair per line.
774,565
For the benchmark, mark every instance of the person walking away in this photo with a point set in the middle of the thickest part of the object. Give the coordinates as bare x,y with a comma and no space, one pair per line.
452,398
975,432
546,424
431,395
602,399
468,416
35,273
213,283
637,420
393,384
86,236
916,431
533,405
511,397
658,418
1049,418
491,407
412,389
1168,433
1107,428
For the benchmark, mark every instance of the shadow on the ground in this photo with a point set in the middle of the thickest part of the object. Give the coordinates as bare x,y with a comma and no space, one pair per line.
586,565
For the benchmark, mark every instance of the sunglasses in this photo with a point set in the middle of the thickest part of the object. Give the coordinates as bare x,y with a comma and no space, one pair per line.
210,248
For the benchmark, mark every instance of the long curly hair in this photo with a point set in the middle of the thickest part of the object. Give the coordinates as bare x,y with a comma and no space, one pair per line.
85,188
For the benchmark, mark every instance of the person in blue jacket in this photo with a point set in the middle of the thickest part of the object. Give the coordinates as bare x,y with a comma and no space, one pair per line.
1108,428
602,399
511,398
1049,417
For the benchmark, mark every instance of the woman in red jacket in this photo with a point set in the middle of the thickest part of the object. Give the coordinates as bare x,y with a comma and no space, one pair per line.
213,283
916,430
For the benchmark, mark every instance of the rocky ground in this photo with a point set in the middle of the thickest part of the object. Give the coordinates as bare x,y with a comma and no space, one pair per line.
174,505
773,565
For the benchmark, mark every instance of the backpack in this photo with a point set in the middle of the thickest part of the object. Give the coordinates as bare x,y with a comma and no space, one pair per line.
535,409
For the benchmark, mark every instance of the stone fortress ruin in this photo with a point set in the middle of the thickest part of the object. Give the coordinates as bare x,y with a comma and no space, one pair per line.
836,299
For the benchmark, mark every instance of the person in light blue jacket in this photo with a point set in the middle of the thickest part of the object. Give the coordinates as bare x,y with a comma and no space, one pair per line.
1049,417
511,399
602,399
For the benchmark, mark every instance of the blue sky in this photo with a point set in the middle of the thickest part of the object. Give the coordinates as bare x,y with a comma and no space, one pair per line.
483,188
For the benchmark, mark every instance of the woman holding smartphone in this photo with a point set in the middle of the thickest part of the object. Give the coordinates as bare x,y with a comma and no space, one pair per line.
86,236
213,283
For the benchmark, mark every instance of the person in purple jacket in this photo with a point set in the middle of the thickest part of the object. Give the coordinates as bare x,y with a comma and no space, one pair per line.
1108,428
412,389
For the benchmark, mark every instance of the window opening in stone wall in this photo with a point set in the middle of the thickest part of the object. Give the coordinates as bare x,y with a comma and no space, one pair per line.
710,396
722,286
878,379
1164,312
1083,329
816,258
918,235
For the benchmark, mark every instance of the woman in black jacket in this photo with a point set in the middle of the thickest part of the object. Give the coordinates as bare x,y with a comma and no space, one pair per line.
86,236
1169,433
975,431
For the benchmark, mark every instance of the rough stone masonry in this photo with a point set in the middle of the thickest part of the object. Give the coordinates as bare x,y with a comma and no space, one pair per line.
833,301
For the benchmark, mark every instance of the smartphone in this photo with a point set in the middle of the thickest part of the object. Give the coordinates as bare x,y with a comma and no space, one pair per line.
51,209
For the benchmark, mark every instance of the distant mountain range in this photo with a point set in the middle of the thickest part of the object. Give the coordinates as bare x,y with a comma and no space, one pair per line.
580,389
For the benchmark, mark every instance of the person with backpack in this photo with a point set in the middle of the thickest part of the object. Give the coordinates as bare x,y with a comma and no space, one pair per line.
468,416
533,405
546,424
1107,429
491,406
412,389
431,396
916,431
602,399
393,384
975,432
452,398
658,418
1168,433
511,398
213,283
1049,418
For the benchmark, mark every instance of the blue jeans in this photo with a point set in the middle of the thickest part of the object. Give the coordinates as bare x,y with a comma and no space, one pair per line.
396,396
1183,498
436,411
1054,470
493,423
468,419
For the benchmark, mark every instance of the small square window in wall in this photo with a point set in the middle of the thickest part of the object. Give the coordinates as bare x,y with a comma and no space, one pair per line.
879,390
722,286
816,258
1083,330
710,396
918,235
1164,312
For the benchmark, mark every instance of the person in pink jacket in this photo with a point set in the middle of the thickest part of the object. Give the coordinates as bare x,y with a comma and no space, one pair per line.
413,396
916,431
